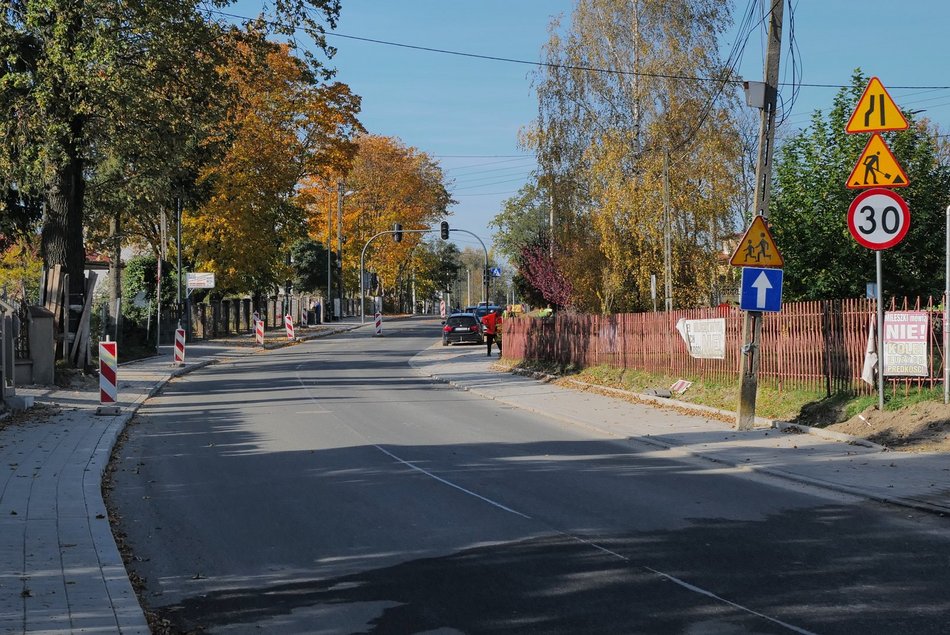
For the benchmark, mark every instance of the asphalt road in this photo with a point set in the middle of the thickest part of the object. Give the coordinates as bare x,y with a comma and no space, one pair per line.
326,488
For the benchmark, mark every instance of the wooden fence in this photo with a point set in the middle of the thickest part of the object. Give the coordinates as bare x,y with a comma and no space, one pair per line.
817,345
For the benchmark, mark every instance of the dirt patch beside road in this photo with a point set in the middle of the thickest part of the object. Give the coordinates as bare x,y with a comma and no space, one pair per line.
923,427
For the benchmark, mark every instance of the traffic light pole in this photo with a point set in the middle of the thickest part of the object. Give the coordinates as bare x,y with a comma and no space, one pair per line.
412,231
485,275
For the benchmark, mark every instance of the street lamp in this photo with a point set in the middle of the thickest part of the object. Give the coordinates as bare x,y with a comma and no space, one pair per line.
341,194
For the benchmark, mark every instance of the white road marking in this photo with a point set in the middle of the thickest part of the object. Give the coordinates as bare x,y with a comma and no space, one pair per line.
696,589
450,483
671,578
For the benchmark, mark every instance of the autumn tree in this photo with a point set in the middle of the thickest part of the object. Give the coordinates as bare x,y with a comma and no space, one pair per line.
283,127
390,183
606,140
21,270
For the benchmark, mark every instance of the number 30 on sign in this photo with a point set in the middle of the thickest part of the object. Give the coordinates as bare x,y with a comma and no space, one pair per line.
878,218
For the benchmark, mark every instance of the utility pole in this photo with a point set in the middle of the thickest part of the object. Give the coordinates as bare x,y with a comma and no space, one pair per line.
667,236
752,325
327,302
178,207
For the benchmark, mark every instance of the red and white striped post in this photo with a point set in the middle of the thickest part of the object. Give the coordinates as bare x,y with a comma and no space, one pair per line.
108,378
379,324
289,325
179,346
259,331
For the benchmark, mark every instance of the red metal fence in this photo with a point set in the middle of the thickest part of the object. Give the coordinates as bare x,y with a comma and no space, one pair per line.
816,345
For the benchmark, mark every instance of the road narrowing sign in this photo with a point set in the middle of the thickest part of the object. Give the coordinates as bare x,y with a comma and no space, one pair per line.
876,111
757,247
877,167
878,218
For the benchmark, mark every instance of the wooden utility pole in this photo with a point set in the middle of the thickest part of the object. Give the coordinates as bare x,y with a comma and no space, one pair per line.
667,236
752,326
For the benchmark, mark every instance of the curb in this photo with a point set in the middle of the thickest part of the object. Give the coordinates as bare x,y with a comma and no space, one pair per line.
659,442
125,602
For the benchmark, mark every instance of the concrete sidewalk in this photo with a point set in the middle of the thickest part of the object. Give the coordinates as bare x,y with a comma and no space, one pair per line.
805,455
60,569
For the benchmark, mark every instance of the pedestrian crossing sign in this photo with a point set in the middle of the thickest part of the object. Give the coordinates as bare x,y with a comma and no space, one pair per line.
876,111
757,247
877,167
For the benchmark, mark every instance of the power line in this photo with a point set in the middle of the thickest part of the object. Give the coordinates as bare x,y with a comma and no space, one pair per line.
481,156
593,69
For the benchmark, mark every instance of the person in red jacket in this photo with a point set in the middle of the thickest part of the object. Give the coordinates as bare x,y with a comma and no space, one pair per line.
492,322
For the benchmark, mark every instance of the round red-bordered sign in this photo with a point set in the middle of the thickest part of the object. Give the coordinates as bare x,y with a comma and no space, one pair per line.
878,218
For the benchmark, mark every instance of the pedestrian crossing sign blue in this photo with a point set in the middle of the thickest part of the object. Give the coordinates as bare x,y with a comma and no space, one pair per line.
761,289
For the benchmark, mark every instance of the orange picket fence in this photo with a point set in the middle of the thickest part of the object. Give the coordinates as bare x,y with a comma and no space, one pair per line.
817,345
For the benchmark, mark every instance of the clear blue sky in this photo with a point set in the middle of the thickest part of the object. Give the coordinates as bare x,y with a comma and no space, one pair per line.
467,112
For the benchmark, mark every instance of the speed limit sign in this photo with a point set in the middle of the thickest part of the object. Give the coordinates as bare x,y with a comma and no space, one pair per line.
878,218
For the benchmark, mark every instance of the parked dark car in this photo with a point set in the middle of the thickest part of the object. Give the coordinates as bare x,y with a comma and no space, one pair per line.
461,327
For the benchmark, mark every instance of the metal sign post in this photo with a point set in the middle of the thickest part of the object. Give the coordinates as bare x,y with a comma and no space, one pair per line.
878,218
880,332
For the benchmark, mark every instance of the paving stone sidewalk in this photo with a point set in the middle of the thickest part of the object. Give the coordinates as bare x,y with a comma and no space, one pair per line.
60,569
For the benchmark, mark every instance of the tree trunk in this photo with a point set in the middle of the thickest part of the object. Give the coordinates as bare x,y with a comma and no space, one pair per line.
62,238
115,274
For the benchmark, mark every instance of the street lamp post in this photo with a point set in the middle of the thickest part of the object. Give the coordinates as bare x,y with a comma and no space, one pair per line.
326,301
339,239
341,193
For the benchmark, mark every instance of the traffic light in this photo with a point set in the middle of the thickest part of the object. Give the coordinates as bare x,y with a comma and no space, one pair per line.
398,235
445,230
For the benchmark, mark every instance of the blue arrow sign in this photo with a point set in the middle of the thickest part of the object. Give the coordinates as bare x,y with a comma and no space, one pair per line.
761,289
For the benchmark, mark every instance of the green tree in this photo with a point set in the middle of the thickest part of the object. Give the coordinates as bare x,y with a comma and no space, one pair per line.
433,266
523,220
810,203
141,277
309,264
82,79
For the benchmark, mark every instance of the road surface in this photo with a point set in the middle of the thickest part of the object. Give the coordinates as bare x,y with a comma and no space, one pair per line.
327,488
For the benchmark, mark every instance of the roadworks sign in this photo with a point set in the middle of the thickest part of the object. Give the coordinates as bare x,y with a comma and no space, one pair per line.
876,111
757,247
877,167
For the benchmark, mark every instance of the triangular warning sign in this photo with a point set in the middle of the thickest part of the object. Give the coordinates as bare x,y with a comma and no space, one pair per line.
876,111
877,167
757,248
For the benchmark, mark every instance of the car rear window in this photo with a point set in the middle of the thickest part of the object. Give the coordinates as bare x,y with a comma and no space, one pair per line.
466,320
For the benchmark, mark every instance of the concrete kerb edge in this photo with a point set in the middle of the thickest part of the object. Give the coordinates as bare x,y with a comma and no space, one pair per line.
772,424
761,422
126,604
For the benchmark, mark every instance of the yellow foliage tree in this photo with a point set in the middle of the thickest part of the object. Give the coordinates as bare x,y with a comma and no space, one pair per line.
389,183
20,270
282,130
604,139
